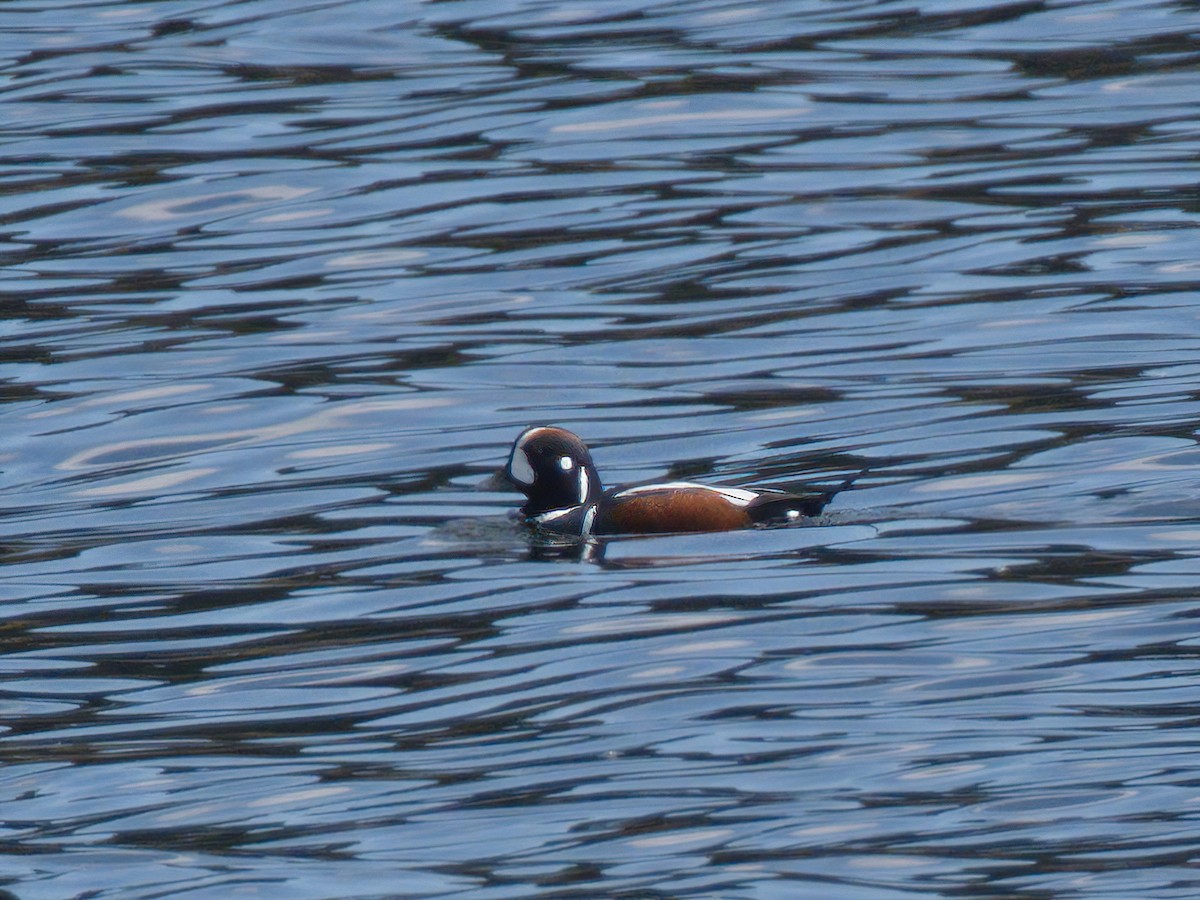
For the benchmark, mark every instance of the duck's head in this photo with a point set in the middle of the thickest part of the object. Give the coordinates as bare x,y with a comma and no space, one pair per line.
553,468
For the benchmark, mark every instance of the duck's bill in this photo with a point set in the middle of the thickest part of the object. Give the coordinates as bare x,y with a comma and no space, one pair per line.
497,481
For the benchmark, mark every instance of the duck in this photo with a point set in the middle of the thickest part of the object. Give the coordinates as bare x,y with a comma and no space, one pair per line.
553,468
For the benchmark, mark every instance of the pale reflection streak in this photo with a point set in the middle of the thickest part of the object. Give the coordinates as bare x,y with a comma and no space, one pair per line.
656,114
170,209
156,449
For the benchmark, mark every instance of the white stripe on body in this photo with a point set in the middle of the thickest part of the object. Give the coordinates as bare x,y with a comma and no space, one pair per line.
736,496
552,514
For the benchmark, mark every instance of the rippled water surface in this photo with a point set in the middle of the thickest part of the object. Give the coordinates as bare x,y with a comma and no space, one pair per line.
283,281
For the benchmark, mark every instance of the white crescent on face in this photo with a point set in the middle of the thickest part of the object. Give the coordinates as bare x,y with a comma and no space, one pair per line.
519,469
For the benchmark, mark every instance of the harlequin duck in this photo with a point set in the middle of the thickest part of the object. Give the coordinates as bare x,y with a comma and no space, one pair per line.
554,470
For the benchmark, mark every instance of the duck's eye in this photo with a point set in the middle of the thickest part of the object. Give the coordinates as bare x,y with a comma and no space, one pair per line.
566,463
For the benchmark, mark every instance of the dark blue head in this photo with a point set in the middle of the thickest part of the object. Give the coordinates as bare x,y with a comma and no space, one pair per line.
553,469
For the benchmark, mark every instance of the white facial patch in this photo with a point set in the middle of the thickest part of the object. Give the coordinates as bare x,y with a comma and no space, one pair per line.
585,485
566,463
519,469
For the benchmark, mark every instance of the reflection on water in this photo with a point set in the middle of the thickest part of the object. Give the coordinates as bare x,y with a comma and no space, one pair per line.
283,283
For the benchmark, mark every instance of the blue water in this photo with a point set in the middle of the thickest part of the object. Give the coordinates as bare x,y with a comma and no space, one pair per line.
282,283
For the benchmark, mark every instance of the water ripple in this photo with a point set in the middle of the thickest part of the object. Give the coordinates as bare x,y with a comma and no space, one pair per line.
282,284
